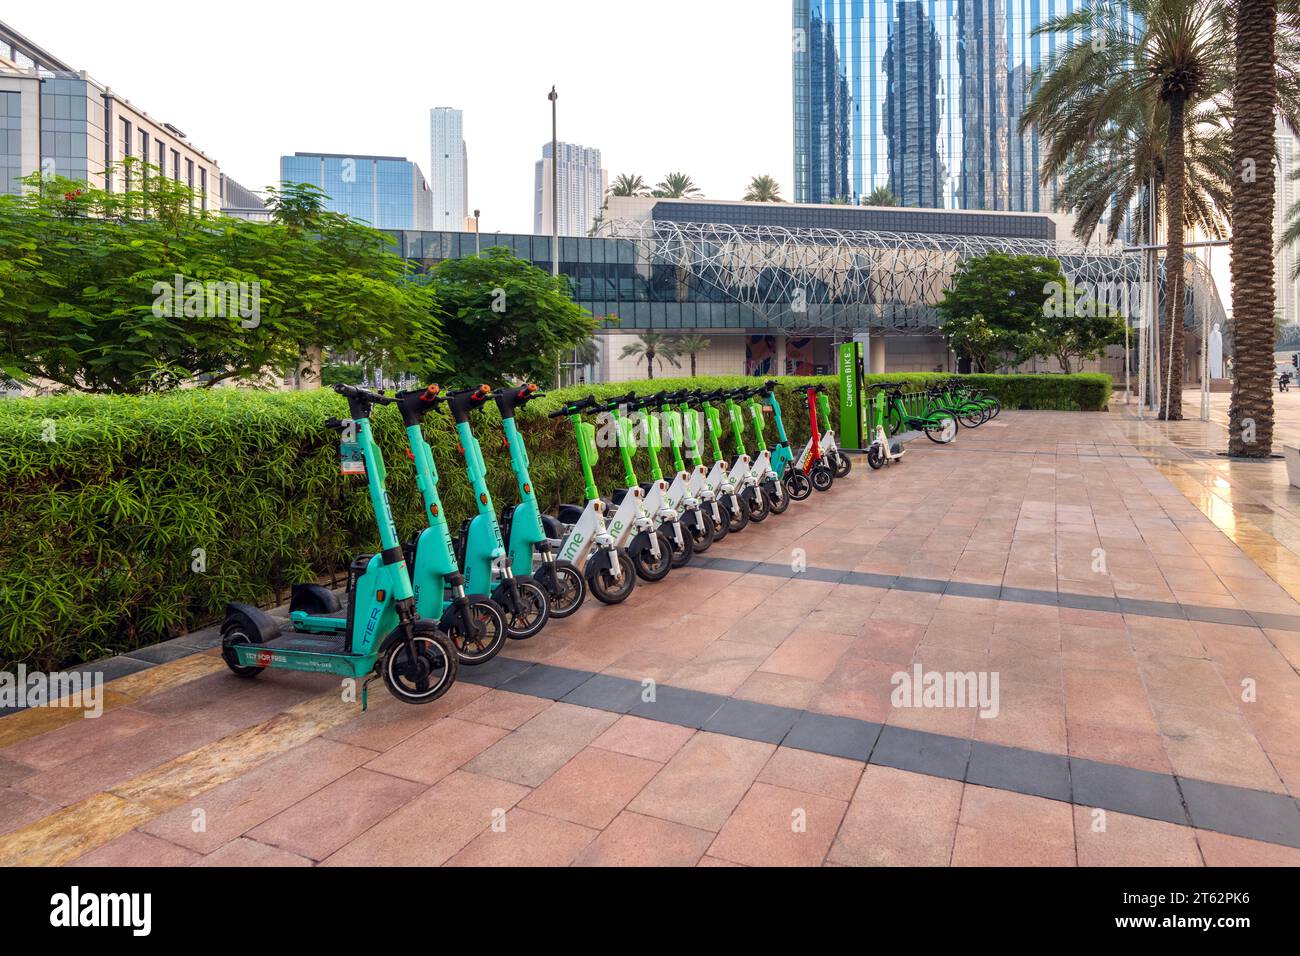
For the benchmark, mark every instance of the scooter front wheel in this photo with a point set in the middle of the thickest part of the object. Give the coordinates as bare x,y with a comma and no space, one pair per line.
488,621
702,532
532,613
681,553
876,456
648,567
777,500
822,478
424,676
757,506
719,527
607,588
797,485
738,519
843,465
569,589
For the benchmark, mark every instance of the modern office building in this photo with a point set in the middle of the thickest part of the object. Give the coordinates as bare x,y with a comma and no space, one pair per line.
388,192
927,95
59,121
243,203
1287,195
582,184
448,167
773,286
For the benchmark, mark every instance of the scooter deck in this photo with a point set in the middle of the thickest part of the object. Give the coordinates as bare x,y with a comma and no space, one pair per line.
313,643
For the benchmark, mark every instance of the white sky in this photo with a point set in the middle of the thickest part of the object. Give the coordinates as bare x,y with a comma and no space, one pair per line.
702,87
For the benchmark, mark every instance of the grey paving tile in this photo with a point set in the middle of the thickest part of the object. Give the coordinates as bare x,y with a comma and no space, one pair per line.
753,721
495,672
971,590
1152,608
1276,622
543,680
617,695
162,653
673,705
923,585
870,579
1139,792
1024,771
1218,615
836,736
1271,817
920,752
1028,596
1088,602
113,667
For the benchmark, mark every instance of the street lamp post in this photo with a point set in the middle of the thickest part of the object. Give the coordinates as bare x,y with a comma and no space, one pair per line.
477,250
555,203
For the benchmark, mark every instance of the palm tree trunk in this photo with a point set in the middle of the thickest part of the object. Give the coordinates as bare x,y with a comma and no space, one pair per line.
1171,346
1250,415
650,364
692,365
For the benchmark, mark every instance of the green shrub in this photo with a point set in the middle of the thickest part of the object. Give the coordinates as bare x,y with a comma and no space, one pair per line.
109,502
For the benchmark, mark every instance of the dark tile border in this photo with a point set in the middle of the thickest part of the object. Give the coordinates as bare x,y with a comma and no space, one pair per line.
1253,814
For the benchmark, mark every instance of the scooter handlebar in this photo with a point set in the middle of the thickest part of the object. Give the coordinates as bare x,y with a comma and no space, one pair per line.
576,408
356,391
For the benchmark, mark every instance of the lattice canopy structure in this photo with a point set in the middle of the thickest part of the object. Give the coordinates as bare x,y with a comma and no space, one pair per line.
830,282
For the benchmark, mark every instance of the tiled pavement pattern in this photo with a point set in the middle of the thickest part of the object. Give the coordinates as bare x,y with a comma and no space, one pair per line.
1122,735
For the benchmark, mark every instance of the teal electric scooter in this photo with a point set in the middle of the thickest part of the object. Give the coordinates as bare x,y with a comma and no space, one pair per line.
382,632
796,483
479,544
523,527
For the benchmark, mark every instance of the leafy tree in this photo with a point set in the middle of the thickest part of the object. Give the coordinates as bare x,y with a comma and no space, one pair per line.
676,186
763,189
996,304
880,196
135,290
1078,328
651,347
505,318
628,185
692,345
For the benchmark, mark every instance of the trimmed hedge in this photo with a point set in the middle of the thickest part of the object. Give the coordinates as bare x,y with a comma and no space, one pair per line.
128,520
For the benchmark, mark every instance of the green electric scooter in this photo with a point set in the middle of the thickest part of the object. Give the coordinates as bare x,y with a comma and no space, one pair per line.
522,525
383,632
479,544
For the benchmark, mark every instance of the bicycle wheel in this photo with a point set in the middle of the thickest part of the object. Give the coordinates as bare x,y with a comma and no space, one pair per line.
940,427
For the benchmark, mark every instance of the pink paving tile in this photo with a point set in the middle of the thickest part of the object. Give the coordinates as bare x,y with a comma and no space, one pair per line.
721,668
329,818
223,813
17,809
819,774
1215,745
702,784
639,737
500,708
436,751
811,655
636,840
1117,839
246,852
714,861
435,825
774,826
974,847
137,849
526,839
1219,849
1018,816
592,788
543,745
892,642
389,721
81,738
780,690
11,772
897,818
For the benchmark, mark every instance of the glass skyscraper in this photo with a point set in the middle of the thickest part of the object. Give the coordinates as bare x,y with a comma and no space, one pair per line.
921,97
388,192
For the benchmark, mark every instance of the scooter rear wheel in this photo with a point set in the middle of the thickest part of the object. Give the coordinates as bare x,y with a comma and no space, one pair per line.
605,587
231,636
491,620
427,676
569,591
797,485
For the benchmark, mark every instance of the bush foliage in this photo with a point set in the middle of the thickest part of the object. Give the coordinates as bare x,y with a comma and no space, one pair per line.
129,519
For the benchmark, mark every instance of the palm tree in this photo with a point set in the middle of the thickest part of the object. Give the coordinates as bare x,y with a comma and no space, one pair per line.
880,196
1255,95
676,186
625,185
1171,63
692,345
763,189
651,347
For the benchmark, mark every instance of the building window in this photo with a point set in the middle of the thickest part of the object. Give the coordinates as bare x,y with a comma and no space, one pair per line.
203,188
176,165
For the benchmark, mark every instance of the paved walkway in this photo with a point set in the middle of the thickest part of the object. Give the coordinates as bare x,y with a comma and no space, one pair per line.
1120,584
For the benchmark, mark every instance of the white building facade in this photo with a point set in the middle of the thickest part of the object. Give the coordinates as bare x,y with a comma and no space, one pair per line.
582,184
448,167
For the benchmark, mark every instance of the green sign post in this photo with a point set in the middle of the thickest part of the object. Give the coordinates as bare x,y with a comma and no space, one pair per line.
853,420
